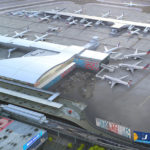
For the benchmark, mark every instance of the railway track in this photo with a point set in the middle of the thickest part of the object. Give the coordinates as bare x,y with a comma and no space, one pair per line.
65,126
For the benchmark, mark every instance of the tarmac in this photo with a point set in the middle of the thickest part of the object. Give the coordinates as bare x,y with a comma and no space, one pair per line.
126,106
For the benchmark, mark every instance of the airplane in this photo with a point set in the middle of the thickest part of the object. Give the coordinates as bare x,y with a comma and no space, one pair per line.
57,16
78,11
136,55
113,81
88,24
110,51
72,17
73,22
21,34
146,30
131,68
120,17
97,23
106,14
41,38
46,18
16,13
10,51
130,27
131,4
34,14
53,28
83,20
136,31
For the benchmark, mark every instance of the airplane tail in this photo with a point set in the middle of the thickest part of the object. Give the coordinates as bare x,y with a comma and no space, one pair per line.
16,32
118,45
129,83
148,52
106,49
146,66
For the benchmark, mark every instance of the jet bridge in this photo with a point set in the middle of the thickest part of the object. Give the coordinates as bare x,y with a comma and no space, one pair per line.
116,23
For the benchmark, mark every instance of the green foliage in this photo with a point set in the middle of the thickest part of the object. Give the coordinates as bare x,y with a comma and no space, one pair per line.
50,139
70,145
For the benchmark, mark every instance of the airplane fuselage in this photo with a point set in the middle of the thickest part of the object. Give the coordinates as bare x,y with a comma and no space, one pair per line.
115,80
135,56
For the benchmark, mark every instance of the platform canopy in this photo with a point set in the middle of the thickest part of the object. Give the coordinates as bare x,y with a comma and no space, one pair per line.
30,69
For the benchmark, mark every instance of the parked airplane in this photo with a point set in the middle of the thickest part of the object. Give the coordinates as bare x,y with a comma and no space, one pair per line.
130,27
110,51
113,81
72,17
136,31
136,55
21,34
106,14
131,68
73,22
34,14
57,16
46,18
16,13
130,4
41,38
83,20
120,17
78,11
99,22
88,24
53,28
146,30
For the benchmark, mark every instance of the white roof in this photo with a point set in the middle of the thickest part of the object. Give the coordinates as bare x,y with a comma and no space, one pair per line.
21,42
94,55
48,46
41,45
30,69
118,25
94,18
4,39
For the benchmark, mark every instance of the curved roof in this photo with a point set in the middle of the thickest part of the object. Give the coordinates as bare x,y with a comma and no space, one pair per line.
30,69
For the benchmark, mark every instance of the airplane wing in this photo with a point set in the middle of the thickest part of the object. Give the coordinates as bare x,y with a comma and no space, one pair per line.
139,57
132,70
113,84
137,63
16,33
123,77
106,49
36,36
136,51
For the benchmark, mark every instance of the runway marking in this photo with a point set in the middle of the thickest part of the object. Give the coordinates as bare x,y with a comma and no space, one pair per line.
145,100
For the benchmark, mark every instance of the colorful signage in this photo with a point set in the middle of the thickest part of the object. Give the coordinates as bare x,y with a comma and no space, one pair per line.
113,127
141,137
91,65
29,143
4,122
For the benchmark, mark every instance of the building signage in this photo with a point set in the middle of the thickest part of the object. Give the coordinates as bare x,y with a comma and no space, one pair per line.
113,127
141,137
